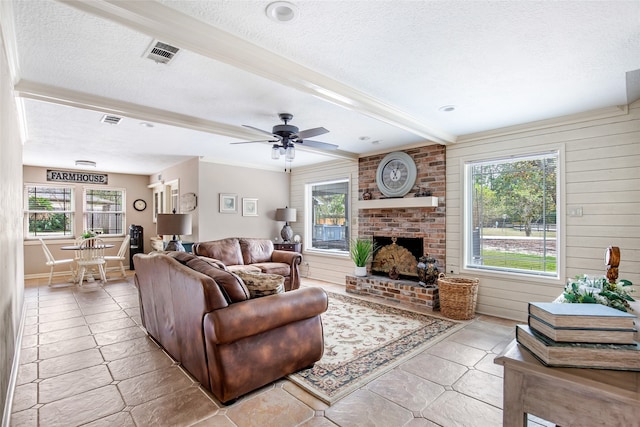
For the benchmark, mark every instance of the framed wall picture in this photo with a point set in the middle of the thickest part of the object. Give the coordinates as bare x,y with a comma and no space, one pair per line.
228,203
249,207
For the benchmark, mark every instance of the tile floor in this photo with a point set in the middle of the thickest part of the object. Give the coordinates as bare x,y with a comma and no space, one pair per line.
86,361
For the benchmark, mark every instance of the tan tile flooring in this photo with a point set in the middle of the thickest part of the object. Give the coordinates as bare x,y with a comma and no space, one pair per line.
85,360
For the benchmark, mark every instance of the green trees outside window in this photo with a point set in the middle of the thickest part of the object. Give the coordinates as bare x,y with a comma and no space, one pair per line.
329,221
49,211
511,221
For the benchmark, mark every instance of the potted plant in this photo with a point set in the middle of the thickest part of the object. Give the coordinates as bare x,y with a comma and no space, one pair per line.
598,290
88,234
361,251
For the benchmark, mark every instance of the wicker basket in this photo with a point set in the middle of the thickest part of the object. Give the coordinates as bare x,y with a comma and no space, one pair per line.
458,297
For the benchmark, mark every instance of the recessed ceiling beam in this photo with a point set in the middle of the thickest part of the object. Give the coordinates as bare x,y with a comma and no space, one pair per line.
71,98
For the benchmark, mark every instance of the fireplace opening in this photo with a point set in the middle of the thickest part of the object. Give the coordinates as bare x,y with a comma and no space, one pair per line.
400,252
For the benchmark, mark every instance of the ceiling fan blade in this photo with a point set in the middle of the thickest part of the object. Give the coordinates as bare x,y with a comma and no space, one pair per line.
309,133
251,142
263,131
318,144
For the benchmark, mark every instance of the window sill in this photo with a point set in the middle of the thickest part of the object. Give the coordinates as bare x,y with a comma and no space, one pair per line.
321,252
511,275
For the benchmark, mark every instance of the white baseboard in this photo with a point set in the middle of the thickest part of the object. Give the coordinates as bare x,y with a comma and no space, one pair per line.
13,379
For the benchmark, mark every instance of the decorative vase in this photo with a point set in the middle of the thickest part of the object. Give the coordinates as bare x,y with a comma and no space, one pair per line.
361,271
393,273
427,271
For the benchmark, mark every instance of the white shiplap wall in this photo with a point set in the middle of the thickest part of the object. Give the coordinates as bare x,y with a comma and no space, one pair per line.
600,172
330,268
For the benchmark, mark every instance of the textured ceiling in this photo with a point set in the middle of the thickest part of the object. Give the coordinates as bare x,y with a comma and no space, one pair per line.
375,73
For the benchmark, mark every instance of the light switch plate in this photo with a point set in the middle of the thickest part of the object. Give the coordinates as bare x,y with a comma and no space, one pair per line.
575,211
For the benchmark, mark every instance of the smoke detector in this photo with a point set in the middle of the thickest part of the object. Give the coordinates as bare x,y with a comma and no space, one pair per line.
161,53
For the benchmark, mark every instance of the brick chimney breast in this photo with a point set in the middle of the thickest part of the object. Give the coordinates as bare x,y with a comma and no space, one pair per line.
425,222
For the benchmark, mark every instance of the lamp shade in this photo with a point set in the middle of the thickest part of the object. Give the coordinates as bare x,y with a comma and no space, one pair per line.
173,224
286,214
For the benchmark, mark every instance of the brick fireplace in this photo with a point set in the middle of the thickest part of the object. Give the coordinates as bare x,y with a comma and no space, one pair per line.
425,223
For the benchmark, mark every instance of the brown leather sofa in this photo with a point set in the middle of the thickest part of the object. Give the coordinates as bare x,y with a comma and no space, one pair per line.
203,317
253,255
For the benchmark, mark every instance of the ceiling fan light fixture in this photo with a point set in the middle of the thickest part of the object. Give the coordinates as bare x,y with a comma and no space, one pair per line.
290,154
282,11
275,152
287,136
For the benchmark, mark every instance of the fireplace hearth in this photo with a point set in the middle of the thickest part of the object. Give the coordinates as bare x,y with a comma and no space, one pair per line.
399,252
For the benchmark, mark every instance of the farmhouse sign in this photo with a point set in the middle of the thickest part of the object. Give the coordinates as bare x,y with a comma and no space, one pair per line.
79,177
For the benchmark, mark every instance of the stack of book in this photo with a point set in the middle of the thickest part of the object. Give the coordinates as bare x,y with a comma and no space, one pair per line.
580,336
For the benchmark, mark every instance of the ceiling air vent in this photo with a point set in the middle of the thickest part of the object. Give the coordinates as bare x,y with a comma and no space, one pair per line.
160,52
112,120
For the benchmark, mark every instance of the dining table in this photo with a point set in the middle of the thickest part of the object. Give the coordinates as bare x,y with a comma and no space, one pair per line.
78,247
90,276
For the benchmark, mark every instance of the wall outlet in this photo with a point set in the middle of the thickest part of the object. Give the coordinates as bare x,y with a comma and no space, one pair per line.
575,211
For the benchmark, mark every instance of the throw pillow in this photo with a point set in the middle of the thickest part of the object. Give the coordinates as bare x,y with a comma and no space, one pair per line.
260,284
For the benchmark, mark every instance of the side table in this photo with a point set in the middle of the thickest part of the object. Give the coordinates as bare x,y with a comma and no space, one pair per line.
291,247
566,396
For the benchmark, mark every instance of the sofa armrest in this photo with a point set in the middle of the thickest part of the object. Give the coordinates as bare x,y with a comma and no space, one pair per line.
294,259
252,317
286,257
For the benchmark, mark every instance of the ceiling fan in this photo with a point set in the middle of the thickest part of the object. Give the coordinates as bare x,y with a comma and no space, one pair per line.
286,136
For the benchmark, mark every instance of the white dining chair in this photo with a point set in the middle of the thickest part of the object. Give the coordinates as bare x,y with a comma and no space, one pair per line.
91,256
121,256
52,262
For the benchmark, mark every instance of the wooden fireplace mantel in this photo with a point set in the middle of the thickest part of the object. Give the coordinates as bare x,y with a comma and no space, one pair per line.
403,202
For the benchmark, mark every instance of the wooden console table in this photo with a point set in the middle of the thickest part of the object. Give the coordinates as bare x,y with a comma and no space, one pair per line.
566,396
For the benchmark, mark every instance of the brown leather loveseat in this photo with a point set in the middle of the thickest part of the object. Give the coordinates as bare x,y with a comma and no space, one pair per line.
252,254
203,317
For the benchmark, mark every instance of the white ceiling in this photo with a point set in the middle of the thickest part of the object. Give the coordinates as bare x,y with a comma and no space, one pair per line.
379,70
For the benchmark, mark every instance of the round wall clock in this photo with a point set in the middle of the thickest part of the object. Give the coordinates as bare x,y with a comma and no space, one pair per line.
139,205
396,174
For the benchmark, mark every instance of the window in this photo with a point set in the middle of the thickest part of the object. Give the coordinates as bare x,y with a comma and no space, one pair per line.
48,211
166,198
328,205
104,211
175,199
511,218
158,202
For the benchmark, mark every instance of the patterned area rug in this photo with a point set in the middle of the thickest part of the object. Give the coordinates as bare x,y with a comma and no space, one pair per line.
363,340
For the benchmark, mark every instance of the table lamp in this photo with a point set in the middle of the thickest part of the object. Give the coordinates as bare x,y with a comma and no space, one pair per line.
176,225
287,215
